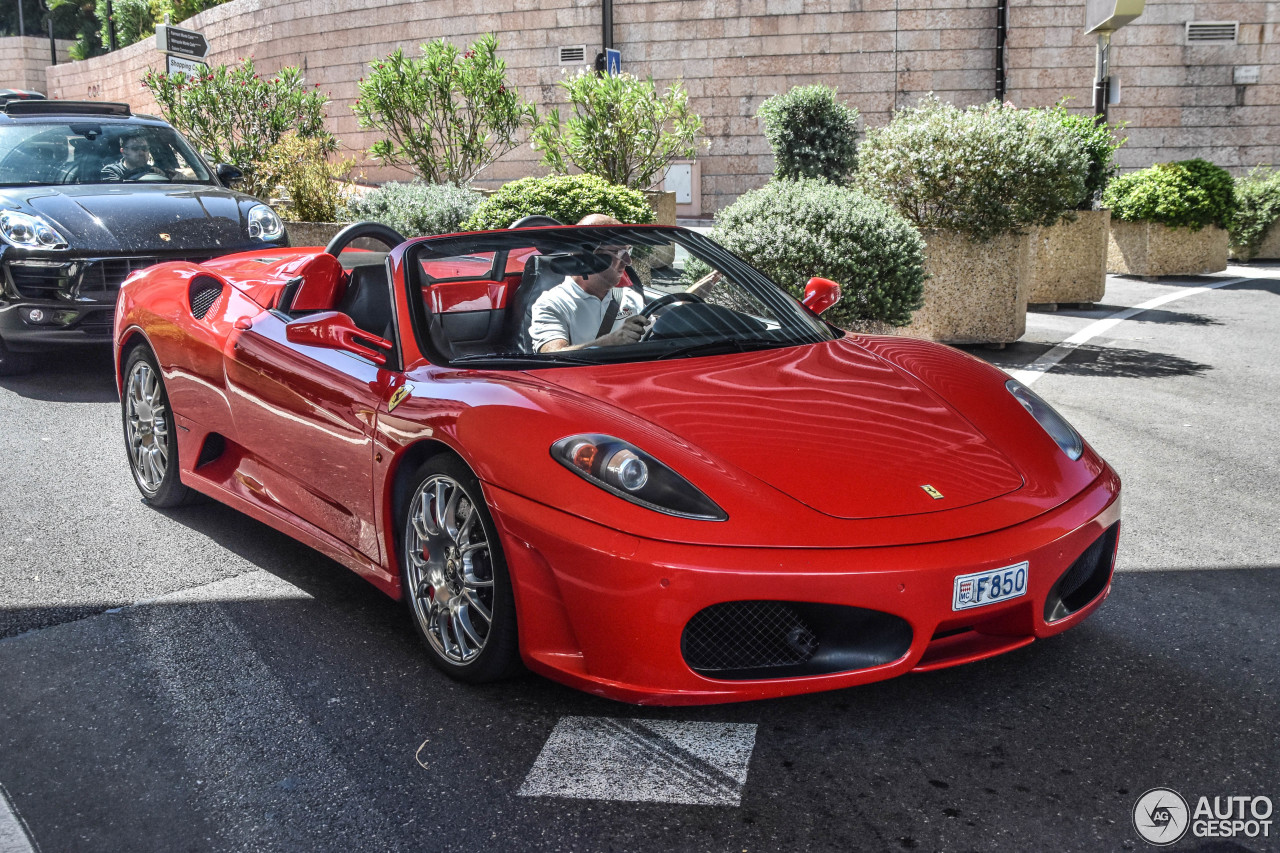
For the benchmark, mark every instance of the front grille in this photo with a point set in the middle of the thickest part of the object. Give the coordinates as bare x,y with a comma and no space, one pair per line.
93,278
747,635
1087,577
38,281
785,639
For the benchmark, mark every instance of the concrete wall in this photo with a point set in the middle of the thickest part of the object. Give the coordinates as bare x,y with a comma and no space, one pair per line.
732,54
23,60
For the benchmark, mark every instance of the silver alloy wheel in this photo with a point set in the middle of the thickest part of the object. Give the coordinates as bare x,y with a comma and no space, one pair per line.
450,570
146,427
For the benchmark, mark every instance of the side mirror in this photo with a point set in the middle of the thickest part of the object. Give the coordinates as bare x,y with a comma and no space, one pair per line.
335,330
227,173
820,294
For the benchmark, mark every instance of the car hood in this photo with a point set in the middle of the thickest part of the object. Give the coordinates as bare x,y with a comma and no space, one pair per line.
832,425
115,218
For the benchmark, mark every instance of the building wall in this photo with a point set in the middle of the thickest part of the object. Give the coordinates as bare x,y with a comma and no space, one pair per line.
1178,100
23,60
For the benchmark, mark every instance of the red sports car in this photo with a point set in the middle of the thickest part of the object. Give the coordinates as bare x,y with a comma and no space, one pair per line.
733,501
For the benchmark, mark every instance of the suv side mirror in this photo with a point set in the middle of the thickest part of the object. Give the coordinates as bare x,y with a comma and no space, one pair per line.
335,330
820,294
227,173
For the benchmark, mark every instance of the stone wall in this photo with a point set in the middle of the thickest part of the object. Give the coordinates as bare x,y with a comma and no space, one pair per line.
23,60
732,54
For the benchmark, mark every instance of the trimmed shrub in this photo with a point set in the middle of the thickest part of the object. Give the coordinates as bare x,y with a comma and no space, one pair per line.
568,198
416,209
1186,194
1097,140
621,129
981,171
1257,209
447,115
811,133
794,230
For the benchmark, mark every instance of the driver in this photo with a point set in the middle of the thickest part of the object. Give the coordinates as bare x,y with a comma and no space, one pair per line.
135,159
576,313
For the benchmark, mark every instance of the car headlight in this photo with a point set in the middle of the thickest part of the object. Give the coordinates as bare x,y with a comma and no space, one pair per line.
1054,424
29,232
628,472
264,224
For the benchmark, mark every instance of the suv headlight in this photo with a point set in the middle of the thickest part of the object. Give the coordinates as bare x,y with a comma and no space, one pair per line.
1054,424
29,232
633,475
264,224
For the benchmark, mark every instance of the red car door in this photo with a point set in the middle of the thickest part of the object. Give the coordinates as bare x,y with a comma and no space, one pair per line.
307,415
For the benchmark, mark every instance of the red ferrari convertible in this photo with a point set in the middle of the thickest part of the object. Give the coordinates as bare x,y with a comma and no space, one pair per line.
739,501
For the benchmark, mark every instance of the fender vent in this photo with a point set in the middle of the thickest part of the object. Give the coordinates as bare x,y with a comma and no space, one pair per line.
203,293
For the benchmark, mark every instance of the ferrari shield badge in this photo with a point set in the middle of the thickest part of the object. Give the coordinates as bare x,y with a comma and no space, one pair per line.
932,492
399,396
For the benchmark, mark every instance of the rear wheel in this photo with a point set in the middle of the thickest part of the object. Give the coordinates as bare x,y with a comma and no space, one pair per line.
455,576
149,434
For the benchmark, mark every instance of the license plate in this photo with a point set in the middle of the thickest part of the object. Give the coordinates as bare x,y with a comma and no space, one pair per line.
983,588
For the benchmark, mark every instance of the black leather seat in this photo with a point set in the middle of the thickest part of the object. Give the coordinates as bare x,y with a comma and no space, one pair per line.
537,279
367,300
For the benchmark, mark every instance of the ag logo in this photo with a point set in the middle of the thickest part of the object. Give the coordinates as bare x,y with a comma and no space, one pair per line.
1161,816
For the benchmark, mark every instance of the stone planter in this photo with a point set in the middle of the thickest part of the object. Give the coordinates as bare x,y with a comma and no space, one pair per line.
1268,249
1150,249
1069,260
973,292
312,233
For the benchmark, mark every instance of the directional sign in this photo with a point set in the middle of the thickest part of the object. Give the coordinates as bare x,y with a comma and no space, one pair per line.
181,42
182,65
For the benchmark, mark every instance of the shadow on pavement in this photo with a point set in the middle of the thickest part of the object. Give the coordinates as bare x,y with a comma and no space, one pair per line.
1095,361
77,375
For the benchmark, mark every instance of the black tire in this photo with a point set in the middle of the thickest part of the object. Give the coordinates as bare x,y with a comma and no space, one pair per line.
15,363
150,437
454,575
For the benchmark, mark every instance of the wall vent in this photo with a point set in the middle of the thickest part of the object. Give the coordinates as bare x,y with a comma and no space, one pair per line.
1212,32
573,55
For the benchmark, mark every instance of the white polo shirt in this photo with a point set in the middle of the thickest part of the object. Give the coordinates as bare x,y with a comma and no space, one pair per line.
567,312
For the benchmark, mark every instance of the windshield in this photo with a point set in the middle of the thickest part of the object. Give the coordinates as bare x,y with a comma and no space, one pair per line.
593,295
94,152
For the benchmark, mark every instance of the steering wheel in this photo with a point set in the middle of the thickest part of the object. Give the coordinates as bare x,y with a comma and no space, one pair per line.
152,177
355,231
668,299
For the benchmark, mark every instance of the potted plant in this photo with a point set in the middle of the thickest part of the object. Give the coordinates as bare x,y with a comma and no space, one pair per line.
1255,225
1170,219
973,181
1069,257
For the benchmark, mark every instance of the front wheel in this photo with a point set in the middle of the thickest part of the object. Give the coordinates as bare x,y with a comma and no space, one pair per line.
455,576
149,435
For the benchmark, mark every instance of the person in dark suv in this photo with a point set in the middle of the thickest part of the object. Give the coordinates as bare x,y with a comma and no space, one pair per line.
89,193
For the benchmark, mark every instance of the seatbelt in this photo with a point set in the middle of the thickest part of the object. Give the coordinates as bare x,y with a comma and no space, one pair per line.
610,314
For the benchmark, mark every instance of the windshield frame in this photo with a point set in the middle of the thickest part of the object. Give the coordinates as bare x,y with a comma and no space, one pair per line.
797,325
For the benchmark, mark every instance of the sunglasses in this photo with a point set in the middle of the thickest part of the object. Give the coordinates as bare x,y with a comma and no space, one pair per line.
616,255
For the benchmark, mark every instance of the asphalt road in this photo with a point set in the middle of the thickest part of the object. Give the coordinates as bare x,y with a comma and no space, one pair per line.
192,680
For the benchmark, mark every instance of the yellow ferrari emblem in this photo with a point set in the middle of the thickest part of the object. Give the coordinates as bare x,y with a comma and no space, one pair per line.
932,492
399,396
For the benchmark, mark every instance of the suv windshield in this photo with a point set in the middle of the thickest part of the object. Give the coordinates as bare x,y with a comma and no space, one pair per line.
592,295
94,152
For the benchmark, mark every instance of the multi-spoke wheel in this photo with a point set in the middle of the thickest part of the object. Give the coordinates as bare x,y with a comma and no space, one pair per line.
149,432
455,577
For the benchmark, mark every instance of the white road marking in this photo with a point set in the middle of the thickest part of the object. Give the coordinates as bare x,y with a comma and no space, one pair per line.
1046,362
655,761
14,837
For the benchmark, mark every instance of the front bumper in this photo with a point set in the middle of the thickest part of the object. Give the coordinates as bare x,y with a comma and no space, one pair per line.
606,612
68,324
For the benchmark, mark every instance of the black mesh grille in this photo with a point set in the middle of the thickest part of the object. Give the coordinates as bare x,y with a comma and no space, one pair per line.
1085,580
747,635
204,292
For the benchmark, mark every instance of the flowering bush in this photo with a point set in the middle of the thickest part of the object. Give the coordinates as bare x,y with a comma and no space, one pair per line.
621,129
235,116
567,198
309,186
794,230
1188,193
447,115
812,134
982,171
1257,209
415,209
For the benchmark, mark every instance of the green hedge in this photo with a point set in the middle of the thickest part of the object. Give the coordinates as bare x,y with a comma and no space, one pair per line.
1186,194
811,133
1257,209
794,230
567,198
416,209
